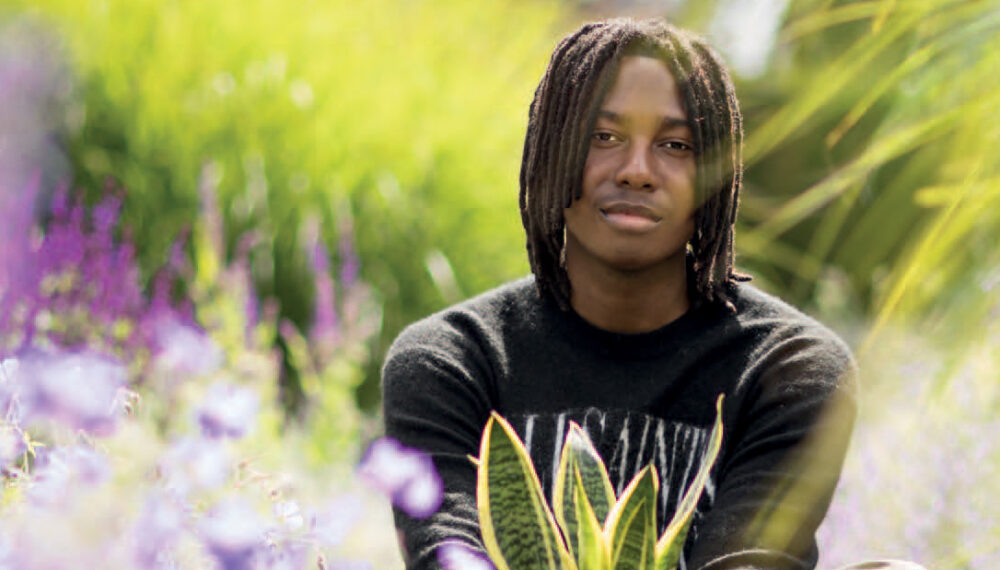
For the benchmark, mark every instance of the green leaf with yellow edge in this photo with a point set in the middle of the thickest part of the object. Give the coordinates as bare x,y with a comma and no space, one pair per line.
579,454
591,550
630,530
518,528
668,548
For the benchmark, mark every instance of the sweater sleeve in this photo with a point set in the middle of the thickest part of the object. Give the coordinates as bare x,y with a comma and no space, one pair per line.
783,458
436,399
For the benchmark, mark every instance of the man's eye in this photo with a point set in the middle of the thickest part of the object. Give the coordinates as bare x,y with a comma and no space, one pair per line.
602,136
677,146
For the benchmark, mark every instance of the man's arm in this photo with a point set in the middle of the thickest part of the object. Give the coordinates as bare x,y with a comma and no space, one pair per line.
437,402
783,461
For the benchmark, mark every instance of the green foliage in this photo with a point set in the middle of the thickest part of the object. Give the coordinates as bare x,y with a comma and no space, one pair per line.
516,522
878,165
407,115
590,529
582,471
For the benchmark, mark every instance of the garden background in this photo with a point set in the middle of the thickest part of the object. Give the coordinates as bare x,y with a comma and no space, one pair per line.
300,180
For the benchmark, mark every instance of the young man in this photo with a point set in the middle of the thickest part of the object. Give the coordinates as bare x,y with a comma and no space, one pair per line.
634,320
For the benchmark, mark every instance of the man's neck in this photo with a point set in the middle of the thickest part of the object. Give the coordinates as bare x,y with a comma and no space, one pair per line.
630,302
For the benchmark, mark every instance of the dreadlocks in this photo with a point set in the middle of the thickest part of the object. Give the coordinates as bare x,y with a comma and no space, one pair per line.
563,113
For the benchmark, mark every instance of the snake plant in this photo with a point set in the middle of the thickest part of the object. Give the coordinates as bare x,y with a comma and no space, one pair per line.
586,527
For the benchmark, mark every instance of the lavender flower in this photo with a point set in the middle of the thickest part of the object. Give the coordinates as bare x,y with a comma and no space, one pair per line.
194,463
62,471
349,264
325,330
349,565
232,533
457,556
228,411
286,556
406,475
9,408
288,513
12,445
77,389
183,350
331,524
156,532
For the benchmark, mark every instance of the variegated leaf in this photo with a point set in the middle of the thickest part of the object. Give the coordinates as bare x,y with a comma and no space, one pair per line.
668,547
630,530
579,454
591,549
518,528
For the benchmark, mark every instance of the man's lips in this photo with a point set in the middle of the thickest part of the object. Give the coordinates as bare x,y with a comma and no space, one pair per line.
629,209
629,217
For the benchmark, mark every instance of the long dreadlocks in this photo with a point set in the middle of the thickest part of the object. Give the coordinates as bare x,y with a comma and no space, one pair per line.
562,115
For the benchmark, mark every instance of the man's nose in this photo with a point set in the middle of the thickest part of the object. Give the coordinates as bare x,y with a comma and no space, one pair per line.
636,171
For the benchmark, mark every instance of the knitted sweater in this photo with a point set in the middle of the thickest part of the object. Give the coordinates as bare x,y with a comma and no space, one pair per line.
789,388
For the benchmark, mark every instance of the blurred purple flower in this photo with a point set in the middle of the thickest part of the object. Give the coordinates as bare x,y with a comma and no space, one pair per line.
184,350
61,471
349,264
325,328
241,266
156,531
227,411
349,565
288,513
17,265
331,524
9,407
232,532
77,389
194,463
6,552
406,475
12,445
286,556
457,556
78,277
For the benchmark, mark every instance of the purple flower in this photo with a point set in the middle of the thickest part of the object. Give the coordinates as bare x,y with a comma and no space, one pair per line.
406,475
227,411
12,445
9,408
241,269
330,525
349,265
194,463
288,513
232,532
325,329
287,556
184,350
156,532
77,389
62,470
457,556
349,565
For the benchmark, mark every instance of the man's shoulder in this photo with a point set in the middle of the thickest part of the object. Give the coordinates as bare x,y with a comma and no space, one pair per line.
755,306
779,324
472,320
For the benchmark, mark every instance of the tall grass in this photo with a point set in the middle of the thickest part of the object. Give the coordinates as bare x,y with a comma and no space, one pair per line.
879,165
402,120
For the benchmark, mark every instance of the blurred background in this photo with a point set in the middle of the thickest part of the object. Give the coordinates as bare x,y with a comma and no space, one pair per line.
358,162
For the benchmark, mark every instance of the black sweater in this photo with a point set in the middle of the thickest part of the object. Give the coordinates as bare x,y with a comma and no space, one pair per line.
788,413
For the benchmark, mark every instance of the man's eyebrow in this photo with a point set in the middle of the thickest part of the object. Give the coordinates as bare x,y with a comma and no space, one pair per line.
674,122
667,122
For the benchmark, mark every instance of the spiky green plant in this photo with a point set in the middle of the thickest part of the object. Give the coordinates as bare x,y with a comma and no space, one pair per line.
586,528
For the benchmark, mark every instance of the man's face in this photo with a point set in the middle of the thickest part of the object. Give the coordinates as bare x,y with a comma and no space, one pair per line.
636,209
